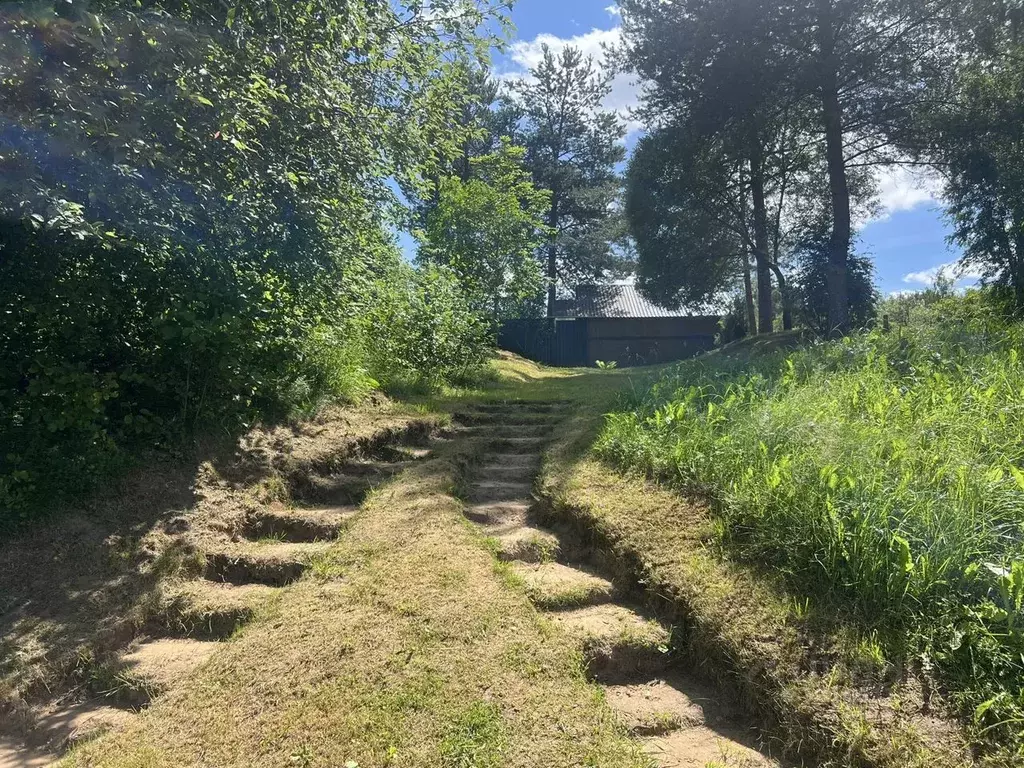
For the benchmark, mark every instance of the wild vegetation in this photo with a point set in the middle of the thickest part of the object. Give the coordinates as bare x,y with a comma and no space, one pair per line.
197,209
881,476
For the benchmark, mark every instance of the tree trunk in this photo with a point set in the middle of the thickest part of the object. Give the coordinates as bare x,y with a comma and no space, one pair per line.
749,295
787,305
553,258
765,311
832,119
1017,262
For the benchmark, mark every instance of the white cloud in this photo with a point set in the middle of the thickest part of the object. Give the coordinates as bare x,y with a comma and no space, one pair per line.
613,10
625,93
950,271
904,188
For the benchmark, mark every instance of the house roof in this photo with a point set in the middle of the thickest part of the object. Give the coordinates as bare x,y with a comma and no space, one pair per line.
612,301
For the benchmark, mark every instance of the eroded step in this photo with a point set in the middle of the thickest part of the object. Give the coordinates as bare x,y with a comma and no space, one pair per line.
481,418
500,517
488,492
59,729
210,610
654,708
509,430
554,586
335,490
383,469
505,473
275,565
526,544
524,406
520,445
619,644
14,754
154,666
517,460
402,454
299,525
702,747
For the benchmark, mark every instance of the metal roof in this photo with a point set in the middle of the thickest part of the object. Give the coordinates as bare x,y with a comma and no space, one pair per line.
612,301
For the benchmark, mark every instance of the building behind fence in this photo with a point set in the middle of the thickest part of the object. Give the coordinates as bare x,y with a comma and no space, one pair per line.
610,323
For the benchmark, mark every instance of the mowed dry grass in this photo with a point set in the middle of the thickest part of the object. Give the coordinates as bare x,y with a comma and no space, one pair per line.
77,587
404,648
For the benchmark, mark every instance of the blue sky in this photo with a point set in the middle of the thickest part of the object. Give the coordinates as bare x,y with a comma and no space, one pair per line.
907,240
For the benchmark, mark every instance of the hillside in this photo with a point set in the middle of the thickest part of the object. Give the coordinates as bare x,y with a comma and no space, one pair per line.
879,479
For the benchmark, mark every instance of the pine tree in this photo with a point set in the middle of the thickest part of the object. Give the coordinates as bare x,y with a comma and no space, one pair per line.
573,147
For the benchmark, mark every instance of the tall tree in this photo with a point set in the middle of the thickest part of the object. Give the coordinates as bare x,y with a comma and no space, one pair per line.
486,229
573,148
749,63
971,130
864,61
710,69
682,204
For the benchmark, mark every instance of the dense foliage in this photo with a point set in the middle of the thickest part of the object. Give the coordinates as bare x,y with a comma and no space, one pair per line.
881,475
487,230
975,130
194,218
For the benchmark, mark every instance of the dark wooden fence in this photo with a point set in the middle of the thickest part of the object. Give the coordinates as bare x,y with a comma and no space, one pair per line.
625,341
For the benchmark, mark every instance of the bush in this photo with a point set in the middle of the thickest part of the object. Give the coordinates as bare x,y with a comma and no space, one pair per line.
881,475
421,332
106,350
193,220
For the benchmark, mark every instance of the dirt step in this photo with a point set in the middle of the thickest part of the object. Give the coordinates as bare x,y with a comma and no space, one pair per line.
503,473
373,468
402,454
210,611
519,445
685,724
487,492
517,460
554,586
505,515
703,747
654,708
620,645
526,544
509,430
524,406
59,729
299,525
275,565
480,418
154,666
335,490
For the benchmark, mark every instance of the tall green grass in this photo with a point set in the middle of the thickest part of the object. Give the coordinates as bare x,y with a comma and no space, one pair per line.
881,475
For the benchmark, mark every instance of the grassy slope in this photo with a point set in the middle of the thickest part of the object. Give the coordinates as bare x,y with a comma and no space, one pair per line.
882,477
406,647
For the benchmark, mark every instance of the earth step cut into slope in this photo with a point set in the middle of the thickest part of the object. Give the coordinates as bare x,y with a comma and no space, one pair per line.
243,574
626,650
154,666
275,565
58,730
211,611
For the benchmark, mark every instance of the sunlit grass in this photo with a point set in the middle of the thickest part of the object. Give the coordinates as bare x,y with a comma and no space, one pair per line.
881,475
